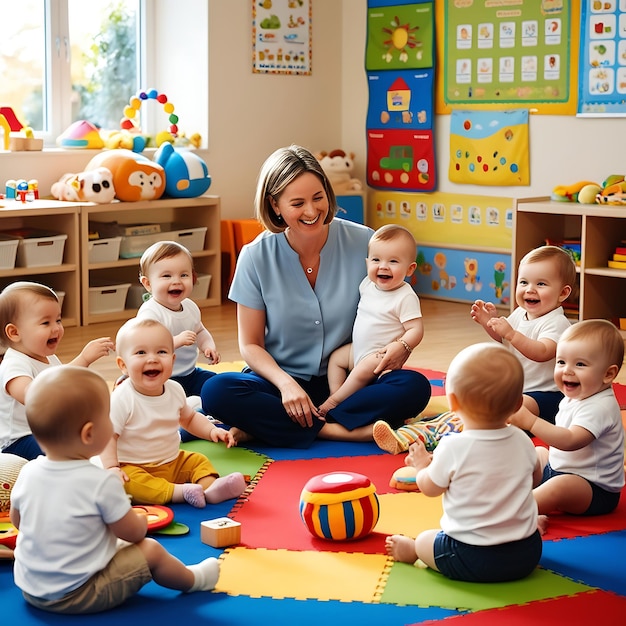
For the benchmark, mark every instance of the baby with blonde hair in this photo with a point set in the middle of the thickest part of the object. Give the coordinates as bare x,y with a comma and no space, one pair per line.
485,473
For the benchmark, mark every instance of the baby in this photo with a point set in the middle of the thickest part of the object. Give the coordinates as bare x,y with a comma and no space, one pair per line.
31,330
81,548
485,473
582,472
147,409
389,315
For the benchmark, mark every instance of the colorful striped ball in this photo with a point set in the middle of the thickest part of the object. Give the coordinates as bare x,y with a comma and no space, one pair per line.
339,506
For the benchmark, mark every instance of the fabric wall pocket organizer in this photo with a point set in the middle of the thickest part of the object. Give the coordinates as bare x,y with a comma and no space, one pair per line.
489,148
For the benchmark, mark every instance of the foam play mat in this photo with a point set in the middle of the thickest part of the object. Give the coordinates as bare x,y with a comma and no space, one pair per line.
280,573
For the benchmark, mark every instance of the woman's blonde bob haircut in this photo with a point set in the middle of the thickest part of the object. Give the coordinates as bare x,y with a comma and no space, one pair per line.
280,169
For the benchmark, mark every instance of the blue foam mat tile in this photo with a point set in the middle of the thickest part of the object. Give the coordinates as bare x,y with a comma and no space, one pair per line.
320,449
159,607
596,560
287,612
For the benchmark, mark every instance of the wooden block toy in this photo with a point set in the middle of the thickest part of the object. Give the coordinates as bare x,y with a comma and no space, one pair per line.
220,532
23,144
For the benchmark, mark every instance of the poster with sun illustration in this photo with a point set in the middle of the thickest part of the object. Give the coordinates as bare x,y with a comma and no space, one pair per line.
489,147
400,35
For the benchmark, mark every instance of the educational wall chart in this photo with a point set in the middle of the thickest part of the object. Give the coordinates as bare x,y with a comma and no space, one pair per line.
399,63
503,51
446,227
281,36
602,80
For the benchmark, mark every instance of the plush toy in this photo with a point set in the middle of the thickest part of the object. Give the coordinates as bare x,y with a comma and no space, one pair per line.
135,177
90,186
613,191
125,139
186,174
338,167
403,479
569,193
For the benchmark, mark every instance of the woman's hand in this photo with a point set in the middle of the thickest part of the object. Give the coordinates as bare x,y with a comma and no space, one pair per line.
298,405
392,357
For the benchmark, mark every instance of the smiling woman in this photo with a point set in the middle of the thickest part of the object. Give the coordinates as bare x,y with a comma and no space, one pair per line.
291,319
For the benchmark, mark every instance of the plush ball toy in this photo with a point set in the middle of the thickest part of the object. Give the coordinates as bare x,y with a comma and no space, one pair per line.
92,186
339,506
186,174
10,467
338,166
403,479
135,177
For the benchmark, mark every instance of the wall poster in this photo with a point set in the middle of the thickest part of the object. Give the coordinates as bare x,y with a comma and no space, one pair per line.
443,224
508,52
399,62
282,37
602,81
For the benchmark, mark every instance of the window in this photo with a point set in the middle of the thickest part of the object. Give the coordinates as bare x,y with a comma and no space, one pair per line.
66,60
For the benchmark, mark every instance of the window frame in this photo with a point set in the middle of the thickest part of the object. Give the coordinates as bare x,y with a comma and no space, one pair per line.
57,82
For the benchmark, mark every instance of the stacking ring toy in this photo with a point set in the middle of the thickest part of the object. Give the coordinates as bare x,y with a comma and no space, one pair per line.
339,506
158,516
8,532
135,103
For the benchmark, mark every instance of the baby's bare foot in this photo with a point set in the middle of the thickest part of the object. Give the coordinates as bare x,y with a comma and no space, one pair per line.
542,524
401,548
240,436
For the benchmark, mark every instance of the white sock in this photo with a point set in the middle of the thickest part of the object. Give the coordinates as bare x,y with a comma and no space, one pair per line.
205,574
225,488
194,495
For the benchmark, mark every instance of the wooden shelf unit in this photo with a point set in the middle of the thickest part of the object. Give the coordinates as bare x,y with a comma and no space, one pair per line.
60,217
188,212
600,229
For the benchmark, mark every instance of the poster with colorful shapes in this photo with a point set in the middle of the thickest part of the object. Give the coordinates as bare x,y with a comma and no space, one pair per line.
399,36
400,99
602,80
498,51
401,159
281,36
489,148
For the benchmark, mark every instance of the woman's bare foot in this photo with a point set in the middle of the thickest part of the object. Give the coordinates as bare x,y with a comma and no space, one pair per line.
542,524
401,548
240,436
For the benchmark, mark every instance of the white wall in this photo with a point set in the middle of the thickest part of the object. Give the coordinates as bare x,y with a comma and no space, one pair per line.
250,115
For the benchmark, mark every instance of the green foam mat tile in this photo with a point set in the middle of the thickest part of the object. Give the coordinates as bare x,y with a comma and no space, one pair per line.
407,584
228,460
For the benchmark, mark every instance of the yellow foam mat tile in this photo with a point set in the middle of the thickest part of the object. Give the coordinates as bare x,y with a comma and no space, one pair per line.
342,576
408,513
